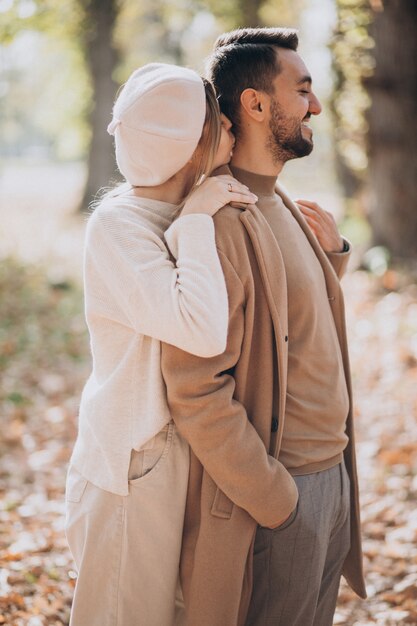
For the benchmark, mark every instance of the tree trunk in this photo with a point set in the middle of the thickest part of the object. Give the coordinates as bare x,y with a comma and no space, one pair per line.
249,13
393,129
102,59
162,41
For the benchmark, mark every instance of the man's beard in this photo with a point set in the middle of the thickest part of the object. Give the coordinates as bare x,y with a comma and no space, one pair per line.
286,141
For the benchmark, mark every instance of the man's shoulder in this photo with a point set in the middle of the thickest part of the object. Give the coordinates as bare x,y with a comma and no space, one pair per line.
230,231
227,221
232,238
229,213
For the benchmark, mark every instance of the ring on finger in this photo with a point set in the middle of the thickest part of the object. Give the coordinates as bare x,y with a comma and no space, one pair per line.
230,187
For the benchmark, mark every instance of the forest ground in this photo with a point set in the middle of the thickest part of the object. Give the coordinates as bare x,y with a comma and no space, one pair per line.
44,361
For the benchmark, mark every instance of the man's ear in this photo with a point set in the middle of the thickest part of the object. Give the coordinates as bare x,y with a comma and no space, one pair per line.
253,103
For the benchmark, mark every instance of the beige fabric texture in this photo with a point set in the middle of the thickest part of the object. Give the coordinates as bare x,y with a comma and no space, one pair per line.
157,122
223,407
317,401
127,548
135,297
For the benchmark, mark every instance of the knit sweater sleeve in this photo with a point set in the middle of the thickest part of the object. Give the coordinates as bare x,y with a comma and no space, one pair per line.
131,277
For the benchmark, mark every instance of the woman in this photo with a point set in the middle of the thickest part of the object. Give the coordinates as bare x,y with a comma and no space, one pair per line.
148,278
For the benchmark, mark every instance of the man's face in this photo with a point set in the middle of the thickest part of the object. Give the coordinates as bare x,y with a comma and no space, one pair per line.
291,107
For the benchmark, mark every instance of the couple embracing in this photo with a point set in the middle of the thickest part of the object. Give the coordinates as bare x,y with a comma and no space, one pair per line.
213,481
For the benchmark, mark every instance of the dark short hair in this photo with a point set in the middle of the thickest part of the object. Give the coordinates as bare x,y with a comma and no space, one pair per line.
246,58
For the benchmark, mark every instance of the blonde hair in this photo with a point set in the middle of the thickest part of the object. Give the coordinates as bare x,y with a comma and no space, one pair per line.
210,137
204,153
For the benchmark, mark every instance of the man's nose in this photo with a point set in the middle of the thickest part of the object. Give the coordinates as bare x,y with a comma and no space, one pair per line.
315,106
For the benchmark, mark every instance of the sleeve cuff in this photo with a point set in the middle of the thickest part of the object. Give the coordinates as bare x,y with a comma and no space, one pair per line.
339,260
346,247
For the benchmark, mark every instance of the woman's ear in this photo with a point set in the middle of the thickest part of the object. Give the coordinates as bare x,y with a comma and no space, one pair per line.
252,102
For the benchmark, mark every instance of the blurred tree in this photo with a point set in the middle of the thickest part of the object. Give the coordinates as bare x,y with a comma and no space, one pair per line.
102,58
244,13
42,64
85,32
152,30
78,31
248,12
375,60
393,129
352,62
96,44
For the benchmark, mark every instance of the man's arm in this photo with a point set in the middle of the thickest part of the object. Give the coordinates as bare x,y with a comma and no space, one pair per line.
200,397
339,260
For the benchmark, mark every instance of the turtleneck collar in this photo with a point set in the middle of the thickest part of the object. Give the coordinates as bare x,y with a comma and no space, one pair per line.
258,183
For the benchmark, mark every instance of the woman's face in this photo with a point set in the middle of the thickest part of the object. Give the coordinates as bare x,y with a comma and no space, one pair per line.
227,141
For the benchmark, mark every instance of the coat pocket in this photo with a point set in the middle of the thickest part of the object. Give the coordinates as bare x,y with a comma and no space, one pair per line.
222,505
288,522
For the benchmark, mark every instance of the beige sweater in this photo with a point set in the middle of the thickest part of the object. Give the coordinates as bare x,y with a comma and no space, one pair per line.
136,297
317,402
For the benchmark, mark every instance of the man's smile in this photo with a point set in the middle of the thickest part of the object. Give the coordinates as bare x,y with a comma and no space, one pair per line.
306,124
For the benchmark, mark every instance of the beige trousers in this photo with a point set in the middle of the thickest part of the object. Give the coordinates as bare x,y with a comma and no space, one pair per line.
127,548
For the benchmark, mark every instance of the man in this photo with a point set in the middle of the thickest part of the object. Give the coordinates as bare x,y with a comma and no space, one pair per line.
272,515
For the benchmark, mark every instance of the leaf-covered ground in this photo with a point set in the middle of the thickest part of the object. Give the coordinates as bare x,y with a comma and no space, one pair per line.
383,347
44,361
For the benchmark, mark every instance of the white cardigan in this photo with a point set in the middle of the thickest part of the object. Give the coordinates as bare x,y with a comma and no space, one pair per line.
135,297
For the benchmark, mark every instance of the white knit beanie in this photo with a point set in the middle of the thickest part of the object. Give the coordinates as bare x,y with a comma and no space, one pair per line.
157,122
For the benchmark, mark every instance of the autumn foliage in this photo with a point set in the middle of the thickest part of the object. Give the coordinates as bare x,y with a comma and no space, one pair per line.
43,365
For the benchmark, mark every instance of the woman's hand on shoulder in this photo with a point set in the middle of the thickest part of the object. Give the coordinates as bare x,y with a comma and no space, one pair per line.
214,193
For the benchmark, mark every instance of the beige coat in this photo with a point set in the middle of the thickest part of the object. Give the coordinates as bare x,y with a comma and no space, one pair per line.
224,406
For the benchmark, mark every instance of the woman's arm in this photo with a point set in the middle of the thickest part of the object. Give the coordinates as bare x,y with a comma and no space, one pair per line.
131,278
175,294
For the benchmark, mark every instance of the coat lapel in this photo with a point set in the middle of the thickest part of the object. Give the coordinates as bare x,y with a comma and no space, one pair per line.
272,271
